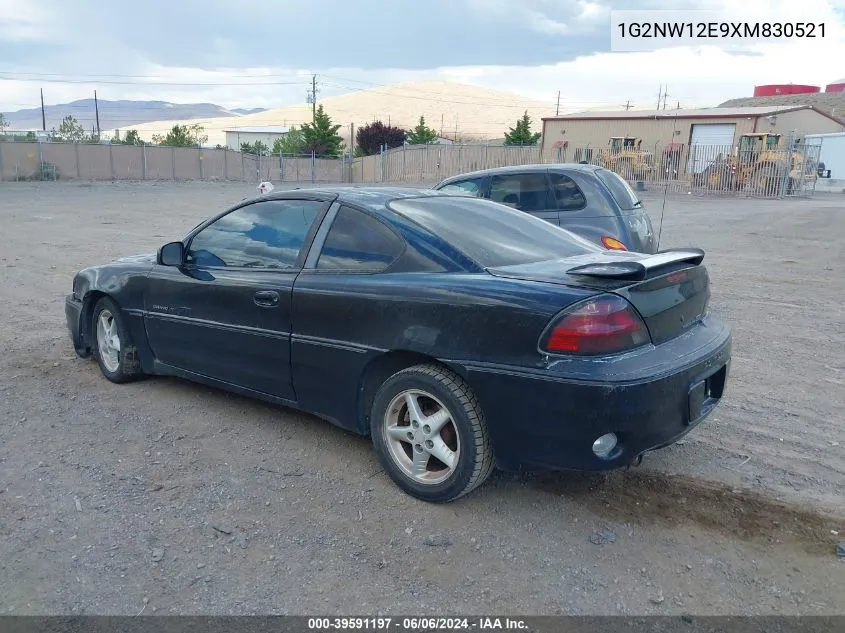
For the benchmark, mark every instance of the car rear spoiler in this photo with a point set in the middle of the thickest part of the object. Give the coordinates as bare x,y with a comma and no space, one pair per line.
638,269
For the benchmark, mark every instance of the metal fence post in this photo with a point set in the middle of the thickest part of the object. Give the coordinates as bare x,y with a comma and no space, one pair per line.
173,161
76,153
143,161
403,162
40,161
281,168
111,161
313,167
243,168
199,154
788,166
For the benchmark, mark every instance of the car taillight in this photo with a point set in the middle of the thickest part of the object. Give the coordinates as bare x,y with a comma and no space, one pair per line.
603,325
612,243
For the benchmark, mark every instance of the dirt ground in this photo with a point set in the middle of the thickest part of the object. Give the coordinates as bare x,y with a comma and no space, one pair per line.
167,497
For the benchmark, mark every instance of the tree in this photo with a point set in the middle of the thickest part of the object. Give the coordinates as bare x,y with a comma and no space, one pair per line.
182,136
373,136
130,138
70,130
290,143
522,134
321,137
422,134
258,148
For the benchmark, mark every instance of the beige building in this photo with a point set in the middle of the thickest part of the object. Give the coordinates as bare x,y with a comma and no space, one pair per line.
703,132
267,134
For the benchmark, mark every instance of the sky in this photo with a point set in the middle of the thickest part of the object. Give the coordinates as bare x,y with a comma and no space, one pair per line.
261,54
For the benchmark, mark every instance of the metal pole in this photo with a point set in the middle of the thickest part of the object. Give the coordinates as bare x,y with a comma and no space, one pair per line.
76,152
40,160
173,161
313,166
143,162
111,161
225,164
243,168
199,154
403,162
788,167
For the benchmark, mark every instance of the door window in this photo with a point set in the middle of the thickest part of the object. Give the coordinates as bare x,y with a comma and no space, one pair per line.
266,234
358,242
469,187
567,194
526,192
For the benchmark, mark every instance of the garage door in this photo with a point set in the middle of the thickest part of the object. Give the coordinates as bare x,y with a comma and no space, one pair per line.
707,142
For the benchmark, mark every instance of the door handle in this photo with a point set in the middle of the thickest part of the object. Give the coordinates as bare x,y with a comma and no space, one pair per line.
266,298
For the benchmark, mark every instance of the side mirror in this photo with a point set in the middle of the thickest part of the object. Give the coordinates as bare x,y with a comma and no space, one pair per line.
172,254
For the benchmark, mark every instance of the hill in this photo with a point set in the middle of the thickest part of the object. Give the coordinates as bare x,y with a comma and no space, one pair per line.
470,112
832,103
118,114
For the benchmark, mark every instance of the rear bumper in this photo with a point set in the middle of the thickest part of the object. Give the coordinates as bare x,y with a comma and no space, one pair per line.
539,420
73,313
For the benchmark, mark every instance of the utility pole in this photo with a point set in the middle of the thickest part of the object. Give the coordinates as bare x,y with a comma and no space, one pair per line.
678,105
665,95
627,105
659,96
97,113
43,116
312,99
557,109
441,124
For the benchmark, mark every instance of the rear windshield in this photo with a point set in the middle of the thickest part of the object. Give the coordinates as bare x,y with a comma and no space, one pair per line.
619,189
490,233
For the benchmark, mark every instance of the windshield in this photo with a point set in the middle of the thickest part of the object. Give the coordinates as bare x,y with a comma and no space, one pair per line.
492,234
619,189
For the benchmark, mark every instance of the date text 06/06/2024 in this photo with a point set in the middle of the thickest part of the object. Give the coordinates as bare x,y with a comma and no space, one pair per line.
415,624
717,30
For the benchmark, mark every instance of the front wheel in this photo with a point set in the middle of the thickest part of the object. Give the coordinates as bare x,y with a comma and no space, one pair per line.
113,348
429,433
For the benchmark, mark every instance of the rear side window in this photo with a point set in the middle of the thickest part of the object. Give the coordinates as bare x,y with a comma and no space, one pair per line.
619,189
468,187
491,234
358,242
567,194
526,192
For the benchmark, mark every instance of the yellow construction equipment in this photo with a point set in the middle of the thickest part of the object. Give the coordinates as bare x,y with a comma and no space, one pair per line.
759,165
625,157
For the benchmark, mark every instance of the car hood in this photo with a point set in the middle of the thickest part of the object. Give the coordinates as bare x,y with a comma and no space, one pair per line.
137,259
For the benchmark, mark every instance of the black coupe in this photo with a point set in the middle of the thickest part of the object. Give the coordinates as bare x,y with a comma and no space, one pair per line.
457,332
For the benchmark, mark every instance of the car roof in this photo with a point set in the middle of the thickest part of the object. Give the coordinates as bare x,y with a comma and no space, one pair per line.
523,169
372,196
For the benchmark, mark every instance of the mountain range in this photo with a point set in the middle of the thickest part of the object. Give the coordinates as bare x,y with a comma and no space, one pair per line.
121,114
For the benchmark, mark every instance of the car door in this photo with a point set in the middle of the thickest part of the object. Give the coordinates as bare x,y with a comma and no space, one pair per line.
225,314
526,191
338,307
590,221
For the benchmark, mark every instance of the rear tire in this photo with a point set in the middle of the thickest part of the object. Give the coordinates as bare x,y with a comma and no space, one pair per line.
429,433
112,346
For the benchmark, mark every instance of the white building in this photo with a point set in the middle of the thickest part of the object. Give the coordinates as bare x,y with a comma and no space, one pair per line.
267,134
832,152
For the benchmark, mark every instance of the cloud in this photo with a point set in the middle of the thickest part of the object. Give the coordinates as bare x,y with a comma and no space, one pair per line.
250,53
